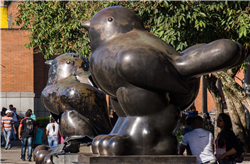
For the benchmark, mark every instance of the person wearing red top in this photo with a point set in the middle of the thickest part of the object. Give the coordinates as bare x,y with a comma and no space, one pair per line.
26,134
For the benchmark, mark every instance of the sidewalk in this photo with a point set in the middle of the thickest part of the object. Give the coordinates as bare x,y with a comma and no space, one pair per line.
13,155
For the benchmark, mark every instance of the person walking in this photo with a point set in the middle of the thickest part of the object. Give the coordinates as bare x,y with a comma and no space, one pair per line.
4,111
15,120
13,135
38,140
200,142
52,132
33,116
226,141
2,137
26,134
6,126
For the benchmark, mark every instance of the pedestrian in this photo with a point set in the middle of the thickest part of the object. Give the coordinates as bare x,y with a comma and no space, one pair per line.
200,142
7,124
33,116
113,117
226,141
13,135
209,126
27,129
38,139
52,132
205,119
16,121
4,111
2,137
189,127
193,112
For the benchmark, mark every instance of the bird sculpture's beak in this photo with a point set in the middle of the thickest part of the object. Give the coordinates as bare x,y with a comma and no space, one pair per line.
86,24
48,62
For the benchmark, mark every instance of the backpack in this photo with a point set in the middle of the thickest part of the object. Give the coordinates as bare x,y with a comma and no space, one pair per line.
239,156
29,129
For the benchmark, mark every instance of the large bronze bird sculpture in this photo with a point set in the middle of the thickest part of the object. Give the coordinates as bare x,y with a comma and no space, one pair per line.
148,81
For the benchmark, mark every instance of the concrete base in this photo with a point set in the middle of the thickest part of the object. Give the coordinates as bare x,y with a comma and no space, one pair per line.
137,159
84,158
66,158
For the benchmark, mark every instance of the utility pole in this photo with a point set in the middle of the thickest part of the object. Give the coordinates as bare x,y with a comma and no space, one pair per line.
204,95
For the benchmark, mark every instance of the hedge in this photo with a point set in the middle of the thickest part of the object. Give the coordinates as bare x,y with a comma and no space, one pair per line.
42,121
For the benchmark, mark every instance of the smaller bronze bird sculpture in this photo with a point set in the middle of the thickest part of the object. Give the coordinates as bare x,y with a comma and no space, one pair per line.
70,97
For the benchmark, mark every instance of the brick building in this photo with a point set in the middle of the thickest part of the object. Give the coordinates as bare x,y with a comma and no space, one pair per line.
24,74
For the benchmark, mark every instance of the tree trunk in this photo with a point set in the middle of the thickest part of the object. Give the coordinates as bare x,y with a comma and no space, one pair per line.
211,81
235,87
235,96
233,107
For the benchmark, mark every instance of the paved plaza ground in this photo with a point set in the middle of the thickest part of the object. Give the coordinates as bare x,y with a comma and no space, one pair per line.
12,156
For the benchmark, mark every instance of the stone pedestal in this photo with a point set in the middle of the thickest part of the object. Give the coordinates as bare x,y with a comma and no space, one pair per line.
136,159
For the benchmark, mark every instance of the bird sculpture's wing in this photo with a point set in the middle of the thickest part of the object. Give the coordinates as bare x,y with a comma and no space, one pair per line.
160,74
215,56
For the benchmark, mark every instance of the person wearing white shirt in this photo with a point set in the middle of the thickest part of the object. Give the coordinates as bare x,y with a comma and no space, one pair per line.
52,132
201,143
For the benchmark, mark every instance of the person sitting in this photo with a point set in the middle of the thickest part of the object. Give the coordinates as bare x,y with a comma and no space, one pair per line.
226,141
200,142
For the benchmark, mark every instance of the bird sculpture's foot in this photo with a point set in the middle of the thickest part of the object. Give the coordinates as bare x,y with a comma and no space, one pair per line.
141,135
99,143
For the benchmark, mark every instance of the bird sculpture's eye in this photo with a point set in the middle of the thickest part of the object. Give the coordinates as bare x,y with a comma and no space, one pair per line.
68,61
110,19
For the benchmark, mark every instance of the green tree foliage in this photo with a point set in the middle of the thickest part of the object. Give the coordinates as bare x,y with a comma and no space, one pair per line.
55,26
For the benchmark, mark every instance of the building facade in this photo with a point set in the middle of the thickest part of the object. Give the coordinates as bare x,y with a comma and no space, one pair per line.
23,72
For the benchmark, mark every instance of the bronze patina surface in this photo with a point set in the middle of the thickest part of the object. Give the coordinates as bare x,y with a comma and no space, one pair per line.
148,81
43,154
69,96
